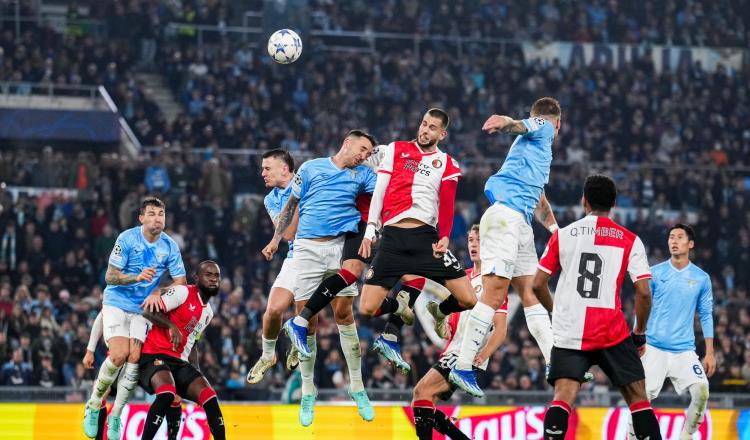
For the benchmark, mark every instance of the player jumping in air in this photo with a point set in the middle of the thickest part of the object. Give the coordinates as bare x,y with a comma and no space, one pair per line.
169,363
138,260
325,190
680,288
434,386
592,255
278,170
508,253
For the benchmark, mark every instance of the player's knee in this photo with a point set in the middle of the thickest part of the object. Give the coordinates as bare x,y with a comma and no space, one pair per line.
468,302
119,357
134,357
274,310
343,315
420,392
366,309
699,393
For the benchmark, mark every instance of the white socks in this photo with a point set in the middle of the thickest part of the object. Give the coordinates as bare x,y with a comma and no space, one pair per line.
107,374
540,327
307,368
696,410
269,348
480,320
353,355
125,387
300,321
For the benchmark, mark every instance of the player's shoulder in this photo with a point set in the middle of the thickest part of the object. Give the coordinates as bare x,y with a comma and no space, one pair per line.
180,289
660,267
168,240
698,271
130,234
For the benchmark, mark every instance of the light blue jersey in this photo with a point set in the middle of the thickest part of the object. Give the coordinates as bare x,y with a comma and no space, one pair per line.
274,203
131,254
677,296
327,197
520,181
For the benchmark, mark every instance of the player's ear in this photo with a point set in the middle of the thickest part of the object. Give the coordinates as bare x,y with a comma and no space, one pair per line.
691,244
443,134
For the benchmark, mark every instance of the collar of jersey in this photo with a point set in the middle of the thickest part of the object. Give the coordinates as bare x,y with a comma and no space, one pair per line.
679,270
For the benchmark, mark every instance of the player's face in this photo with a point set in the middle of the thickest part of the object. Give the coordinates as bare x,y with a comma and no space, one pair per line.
153,219
431,131
474,246
209,277
358,149
274,172
679,243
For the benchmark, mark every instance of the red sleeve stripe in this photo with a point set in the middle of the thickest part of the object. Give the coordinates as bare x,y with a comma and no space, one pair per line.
454,175
643,277
544,269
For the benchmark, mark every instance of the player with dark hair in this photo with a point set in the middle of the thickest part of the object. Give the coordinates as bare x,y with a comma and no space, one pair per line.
434,386
508,253
593,254
277,172
169,363
140,257
325,190
680,289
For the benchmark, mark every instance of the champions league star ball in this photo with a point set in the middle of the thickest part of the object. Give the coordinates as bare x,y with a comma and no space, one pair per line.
285,46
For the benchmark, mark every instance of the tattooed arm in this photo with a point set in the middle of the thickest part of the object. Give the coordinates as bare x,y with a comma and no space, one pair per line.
115,277
282,223
504,124
544,215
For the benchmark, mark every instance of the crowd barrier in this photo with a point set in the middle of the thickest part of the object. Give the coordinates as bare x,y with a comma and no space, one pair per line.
341,422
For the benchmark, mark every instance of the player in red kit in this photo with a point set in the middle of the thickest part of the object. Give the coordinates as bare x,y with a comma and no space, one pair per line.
414,198
169,360
593,255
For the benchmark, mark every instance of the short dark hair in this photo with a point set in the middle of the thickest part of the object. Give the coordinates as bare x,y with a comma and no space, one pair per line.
440,114
205,262
600,192
474,228
282,155
546,107
151,201
362,133
685,227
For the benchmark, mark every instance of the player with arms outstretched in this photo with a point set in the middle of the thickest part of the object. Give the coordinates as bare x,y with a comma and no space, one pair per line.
593,254
325,190
680,288
169,363
508,253
138,261
434,386
278,170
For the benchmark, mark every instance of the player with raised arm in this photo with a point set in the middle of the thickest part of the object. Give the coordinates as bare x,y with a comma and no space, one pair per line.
278,170
508,252
414,198
593,254
169,363
434,386
137,263
680,288
325,190
174,413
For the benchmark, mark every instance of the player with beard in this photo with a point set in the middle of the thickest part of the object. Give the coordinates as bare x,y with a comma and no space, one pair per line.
169,363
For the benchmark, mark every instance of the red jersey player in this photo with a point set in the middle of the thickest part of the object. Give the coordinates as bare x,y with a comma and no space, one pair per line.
414,193
169,360
593,254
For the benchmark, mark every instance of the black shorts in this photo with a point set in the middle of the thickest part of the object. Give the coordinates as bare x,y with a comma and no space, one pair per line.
352,242
620,363
444,366
183,372
409,251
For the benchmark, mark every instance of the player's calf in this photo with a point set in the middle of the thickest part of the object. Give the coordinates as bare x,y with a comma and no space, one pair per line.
210,403
165,395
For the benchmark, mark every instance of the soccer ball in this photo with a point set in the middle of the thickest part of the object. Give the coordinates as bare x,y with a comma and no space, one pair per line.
285,46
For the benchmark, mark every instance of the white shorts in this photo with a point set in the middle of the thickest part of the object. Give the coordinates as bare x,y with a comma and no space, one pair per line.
506,243
313,262
287,276
683,369
117,322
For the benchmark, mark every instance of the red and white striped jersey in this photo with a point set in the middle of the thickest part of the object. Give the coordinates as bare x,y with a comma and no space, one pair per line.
459,321
414,189
594,253
187,311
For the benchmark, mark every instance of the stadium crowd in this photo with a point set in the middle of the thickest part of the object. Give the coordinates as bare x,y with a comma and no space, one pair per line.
668,139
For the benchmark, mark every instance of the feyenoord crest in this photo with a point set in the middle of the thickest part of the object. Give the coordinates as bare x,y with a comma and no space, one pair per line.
158,362
369,274
437,163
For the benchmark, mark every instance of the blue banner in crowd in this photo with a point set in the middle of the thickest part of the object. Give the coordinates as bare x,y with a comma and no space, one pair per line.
59,125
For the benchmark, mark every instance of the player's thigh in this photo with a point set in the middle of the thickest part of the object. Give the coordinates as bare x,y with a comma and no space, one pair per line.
685,369
286,278
354,266
161,378
371,299
115,324
311,263
343,309
655,365
499,240
392,259
135,350
463,291
622,364
189,382
526,259
279,301
139,327
429,387
197,387
119,349
567,363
